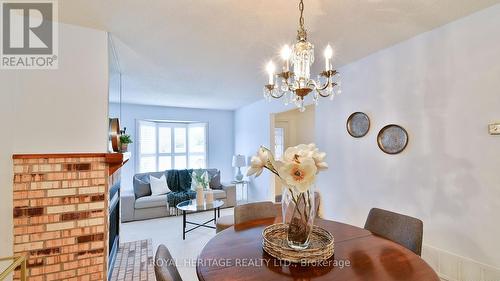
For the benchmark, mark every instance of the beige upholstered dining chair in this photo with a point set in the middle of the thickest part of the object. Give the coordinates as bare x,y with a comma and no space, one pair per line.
224,222
165,269
248,212
255,211
404,230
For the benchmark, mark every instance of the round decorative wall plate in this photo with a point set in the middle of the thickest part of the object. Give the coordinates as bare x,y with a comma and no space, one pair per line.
358,124
392,139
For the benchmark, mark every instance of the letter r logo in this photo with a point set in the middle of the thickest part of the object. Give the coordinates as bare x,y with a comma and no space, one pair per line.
27,28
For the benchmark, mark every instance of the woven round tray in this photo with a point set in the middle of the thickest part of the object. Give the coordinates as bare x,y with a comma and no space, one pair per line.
274,242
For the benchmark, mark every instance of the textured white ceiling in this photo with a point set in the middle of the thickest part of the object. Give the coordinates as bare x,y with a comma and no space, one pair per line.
211,54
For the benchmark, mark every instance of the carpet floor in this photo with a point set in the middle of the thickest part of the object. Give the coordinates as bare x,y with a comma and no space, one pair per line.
168,231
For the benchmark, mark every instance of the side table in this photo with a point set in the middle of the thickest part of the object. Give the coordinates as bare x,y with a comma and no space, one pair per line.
241,191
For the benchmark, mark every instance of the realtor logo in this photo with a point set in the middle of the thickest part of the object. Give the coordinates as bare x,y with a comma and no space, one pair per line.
29,35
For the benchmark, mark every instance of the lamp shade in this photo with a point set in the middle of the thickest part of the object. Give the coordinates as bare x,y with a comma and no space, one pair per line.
239,161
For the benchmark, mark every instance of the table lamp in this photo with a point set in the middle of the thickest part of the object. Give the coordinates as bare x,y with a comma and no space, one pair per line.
239,161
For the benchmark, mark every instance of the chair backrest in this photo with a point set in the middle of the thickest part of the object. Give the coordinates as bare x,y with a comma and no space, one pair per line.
165,268
254,211
278,209
404,230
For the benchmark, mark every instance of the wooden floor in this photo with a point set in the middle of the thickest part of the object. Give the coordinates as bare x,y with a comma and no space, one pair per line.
134,261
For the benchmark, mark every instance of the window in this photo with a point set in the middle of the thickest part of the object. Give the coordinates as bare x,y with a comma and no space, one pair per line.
171,145
279,142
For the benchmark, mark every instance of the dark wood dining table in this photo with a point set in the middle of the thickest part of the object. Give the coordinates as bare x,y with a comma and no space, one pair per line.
236,254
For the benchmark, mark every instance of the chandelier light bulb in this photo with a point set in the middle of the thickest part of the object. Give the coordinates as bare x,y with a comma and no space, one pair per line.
328,52
270,68
286,52
328,55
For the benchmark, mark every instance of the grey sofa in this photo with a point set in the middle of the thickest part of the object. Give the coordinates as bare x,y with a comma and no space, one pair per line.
138,204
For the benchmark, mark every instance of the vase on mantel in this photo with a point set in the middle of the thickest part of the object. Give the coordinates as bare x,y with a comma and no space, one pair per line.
298,212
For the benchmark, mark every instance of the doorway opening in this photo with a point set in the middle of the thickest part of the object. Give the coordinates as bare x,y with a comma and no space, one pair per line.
290,128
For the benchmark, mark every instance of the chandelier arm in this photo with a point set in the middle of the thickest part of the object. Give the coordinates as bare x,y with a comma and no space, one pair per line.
323,87
277,96
320,91
323,95
312,85
289,87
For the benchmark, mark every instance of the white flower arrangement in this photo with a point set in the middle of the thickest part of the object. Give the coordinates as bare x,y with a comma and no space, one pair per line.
298,169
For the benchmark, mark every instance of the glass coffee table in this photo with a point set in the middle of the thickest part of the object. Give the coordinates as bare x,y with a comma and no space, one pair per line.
191,206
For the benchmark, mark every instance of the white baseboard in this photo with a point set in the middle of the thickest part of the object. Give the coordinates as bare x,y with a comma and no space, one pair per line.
452,267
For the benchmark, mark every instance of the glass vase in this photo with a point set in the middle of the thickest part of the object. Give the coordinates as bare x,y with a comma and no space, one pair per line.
298,212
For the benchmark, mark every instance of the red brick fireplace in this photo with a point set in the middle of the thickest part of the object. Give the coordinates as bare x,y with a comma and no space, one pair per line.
66,214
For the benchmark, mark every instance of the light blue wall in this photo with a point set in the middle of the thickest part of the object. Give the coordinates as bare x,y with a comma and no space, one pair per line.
220,132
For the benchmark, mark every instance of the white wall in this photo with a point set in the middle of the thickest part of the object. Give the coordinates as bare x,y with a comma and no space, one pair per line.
53,111
443,87
7,83
220,133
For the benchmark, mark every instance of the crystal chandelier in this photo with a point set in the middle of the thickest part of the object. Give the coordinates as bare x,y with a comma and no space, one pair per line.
295,85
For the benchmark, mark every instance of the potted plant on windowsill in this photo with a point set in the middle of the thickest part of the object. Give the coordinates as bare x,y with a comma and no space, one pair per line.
124,141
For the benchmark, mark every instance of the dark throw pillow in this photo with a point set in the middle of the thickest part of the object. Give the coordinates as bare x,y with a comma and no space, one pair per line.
214,179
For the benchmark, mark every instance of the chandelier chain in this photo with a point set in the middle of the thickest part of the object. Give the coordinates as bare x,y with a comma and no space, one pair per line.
301,19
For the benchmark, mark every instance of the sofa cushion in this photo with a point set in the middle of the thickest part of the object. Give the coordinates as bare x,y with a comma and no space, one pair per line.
151,202
158,186
141,188
219,194
141,183
214,176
